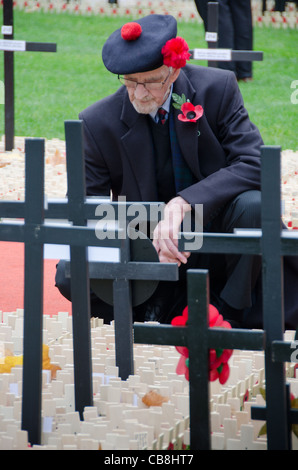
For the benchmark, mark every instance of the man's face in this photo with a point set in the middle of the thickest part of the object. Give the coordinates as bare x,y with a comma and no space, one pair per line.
147,100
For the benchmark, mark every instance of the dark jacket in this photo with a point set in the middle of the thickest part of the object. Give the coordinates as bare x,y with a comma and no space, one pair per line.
224,157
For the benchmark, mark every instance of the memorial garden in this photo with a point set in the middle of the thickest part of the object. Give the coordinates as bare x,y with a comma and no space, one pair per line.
70,383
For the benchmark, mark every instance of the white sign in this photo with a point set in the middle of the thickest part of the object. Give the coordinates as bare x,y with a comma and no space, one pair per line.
12,45
6,29
95,253
212,54
211,37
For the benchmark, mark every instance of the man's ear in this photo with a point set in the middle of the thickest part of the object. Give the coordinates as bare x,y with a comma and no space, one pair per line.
174,75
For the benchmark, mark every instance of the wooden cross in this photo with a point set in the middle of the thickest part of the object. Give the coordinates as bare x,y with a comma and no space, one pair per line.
122,274
198,337
213,54
9,46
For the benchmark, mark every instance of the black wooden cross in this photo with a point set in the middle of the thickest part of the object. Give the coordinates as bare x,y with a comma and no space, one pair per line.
9,46
213,54
122,274
272,244
198,337
35,233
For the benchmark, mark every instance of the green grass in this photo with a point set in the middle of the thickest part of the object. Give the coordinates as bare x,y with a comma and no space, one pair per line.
53,87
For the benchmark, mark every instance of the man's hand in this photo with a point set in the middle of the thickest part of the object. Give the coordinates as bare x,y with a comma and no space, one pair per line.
165,235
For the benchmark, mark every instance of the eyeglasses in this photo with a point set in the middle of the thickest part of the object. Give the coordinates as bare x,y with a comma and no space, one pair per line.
150,86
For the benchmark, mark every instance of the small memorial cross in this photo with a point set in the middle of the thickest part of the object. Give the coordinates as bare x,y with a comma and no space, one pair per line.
9,46
214,54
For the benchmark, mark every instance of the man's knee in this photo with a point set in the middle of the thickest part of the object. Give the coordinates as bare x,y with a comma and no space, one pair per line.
244,211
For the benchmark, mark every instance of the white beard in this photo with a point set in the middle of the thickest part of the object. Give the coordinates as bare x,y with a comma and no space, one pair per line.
149,105
145,108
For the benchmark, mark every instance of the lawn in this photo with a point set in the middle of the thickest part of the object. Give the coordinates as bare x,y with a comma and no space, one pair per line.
53,87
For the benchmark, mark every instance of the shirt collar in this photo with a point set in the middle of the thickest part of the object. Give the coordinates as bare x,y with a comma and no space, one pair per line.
165,106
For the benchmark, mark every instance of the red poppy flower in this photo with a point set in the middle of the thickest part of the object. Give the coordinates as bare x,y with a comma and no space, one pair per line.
226,354
181,321
215,319
182,367
175,53
218,358
221,373
190,113
224,373
214,359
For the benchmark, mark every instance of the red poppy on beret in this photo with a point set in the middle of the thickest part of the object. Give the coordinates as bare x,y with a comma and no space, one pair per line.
175,53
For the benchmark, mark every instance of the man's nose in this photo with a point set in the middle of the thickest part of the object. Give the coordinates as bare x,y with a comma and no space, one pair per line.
140,91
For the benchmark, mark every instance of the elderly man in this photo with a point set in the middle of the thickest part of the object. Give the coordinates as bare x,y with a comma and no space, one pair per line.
204,150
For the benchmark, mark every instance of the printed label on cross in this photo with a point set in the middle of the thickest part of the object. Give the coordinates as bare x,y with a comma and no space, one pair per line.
6,30
12,45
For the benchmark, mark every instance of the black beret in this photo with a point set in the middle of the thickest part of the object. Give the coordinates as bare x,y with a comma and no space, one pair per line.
140,51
